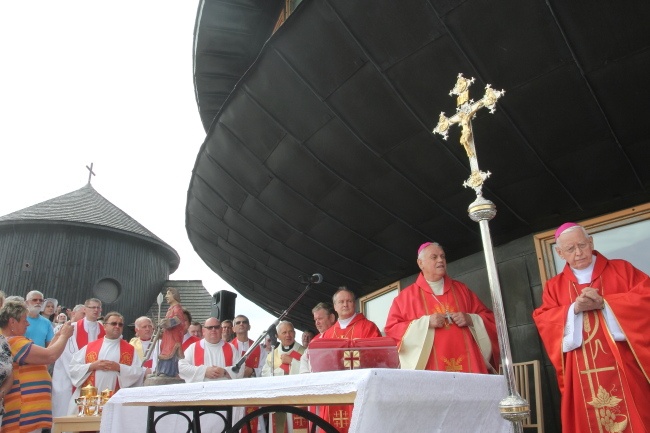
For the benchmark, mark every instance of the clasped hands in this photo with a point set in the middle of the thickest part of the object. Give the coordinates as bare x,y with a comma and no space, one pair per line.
438,320
215,373
105,365
589,299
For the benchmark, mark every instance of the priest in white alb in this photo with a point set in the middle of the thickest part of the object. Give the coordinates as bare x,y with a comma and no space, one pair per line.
210,358
86,330
107,363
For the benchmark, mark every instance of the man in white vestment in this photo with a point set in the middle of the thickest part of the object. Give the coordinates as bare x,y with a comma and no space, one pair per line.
142,340
210,358
85,331
282,361
254,363
107,363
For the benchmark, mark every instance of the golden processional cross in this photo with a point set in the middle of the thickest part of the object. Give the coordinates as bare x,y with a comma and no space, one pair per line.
513,407
465,111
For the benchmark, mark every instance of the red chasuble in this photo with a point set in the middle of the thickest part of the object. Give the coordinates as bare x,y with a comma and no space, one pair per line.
92,354
360,327
454,348
605,384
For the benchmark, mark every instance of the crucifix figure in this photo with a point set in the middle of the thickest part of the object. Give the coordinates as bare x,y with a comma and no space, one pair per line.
465,111
91,173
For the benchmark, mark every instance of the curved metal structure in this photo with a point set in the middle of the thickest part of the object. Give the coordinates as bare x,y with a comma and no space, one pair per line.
321,157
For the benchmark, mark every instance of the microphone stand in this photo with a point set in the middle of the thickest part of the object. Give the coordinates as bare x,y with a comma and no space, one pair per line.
270,331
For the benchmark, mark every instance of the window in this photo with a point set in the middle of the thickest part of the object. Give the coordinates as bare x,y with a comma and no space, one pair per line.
375,306
107,290
620,235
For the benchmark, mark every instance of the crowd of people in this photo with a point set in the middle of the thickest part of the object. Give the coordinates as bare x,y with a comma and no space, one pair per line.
437,324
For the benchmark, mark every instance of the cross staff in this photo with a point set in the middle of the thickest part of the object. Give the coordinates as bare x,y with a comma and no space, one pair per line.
465,111
513,408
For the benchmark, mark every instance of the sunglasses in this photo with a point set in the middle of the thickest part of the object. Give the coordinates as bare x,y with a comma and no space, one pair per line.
118,324
212,328
241,322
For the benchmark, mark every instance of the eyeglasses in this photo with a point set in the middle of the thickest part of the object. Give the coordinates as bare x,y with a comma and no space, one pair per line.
241,322
572,249
95,307
118,324
212,328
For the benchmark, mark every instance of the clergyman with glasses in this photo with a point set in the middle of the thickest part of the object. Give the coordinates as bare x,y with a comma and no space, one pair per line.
85,330
106,363
593,321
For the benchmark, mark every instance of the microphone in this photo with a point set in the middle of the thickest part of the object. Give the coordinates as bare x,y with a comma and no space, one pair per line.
313,279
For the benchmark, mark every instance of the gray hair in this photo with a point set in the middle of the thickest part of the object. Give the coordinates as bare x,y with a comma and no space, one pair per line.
78,307
284,323
12,309
31,294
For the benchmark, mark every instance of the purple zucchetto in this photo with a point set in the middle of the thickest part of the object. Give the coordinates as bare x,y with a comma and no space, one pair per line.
423,246
562,228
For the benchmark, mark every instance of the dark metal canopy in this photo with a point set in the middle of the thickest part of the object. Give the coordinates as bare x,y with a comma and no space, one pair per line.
321,158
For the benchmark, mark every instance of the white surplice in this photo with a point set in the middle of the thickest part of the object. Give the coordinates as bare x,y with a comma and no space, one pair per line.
129,375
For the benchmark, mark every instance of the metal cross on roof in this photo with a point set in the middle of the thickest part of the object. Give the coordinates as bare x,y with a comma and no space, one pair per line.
91,173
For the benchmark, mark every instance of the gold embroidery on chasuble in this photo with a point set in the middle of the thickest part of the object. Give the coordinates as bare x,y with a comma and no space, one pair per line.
596,363
453,364
348,332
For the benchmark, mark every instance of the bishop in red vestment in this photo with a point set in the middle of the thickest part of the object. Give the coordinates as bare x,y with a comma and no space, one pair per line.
593,322
440,324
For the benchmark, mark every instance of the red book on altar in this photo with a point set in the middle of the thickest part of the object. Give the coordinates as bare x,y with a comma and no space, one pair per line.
332,354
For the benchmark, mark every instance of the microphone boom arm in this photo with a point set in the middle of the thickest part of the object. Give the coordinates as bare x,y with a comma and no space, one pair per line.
242,360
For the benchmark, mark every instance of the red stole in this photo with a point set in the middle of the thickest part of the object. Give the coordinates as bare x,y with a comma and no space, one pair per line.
149,362
199,354
294,354
253,360
92,354
82,334
191,339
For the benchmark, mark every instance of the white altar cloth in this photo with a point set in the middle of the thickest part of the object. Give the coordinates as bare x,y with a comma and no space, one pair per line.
385,400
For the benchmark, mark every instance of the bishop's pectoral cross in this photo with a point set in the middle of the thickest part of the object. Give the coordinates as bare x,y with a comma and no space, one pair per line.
465,111
448,318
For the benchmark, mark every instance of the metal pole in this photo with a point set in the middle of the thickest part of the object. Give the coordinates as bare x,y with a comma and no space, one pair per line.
512,408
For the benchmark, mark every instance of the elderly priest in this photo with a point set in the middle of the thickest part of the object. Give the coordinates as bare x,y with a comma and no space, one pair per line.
439,323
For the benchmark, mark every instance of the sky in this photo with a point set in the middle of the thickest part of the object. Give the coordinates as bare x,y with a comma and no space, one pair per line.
108,83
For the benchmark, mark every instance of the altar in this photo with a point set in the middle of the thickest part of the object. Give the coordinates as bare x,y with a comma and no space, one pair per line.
385,400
